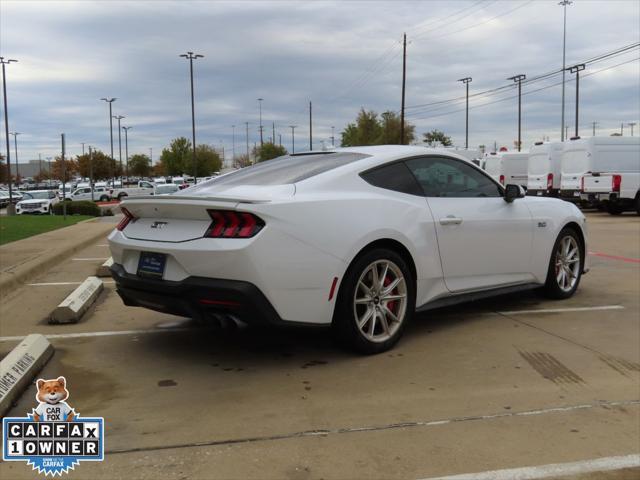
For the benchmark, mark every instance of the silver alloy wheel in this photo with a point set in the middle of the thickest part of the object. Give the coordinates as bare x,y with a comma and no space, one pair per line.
567,263
380,301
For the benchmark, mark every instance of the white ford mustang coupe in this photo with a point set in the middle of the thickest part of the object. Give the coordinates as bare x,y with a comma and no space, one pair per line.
357,238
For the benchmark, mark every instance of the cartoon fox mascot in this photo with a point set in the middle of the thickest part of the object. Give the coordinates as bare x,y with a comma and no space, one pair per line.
51,398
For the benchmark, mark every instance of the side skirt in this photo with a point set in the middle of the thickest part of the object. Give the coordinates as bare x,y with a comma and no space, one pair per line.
473,296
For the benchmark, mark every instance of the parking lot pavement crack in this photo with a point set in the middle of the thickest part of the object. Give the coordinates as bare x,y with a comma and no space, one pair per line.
370,428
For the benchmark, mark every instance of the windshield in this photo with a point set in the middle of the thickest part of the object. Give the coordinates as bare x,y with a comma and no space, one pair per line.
280,171
539,164
36,195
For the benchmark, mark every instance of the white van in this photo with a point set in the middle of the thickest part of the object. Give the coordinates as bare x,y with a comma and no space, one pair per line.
577,155
544,169
508,167
614,176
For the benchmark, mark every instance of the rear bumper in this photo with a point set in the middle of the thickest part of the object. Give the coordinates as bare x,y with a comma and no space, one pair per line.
197,297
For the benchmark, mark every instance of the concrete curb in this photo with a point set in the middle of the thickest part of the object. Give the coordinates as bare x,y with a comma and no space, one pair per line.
18,369
104,270
40,264
71,309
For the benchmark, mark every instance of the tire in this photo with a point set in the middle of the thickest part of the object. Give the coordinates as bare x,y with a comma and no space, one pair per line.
121,196
382,320
557,286
614,209
638,204
104,198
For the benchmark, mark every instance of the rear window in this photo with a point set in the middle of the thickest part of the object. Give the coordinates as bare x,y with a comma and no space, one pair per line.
281,170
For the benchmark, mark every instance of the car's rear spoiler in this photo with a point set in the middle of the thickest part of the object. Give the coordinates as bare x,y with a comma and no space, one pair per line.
178,198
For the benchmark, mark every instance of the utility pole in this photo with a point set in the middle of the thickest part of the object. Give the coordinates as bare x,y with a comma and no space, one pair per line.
564,4
110,102
247,136
126,150
577,69
15,146
191,57
91,172
280,139
518,79
260,109
233,144
466,82
332,137
593,124
273,126
566,131
293,138
310,126
40,166
632,124
64,174
404,77
11,209
120,117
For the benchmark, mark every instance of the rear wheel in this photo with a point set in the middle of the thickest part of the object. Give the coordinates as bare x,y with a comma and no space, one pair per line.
104,198
614,209
565,265
121,196
376,301
638,204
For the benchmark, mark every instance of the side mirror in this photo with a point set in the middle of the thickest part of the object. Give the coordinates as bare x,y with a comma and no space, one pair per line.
511,192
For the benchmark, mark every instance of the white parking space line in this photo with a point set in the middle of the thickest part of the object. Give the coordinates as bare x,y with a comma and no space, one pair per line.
102,259
552,470
563,310
102,245
100,334
52,284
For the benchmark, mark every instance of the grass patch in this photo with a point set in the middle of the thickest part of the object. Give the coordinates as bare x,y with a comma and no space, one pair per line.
23,226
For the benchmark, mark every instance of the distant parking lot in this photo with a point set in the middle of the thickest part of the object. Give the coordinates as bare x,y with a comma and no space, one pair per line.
502,383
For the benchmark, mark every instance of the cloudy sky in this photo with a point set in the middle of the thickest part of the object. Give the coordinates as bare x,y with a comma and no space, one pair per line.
342,55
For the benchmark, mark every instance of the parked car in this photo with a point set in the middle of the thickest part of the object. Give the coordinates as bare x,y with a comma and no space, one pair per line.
356,238
37,201
4,196
614,179
143,188
166,189
508,167
100,194
544,169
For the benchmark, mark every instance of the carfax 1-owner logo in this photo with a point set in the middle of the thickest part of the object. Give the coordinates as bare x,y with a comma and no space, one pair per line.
53,438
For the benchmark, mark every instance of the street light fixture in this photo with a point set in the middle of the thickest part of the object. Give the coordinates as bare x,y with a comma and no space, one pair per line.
577,69
518,79
466,82
564,4
110,102
126,149
15,146
10,208
191,57
118,118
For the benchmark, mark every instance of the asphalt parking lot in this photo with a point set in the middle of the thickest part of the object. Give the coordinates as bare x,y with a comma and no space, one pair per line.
510,382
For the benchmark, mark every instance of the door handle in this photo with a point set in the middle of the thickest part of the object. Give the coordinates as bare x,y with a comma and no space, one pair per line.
450,220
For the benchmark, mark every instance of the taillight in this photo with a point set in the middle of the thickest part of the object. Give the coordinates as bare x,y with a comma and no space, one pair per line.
230,224
582,184
128,217
549,181
502,179
616,180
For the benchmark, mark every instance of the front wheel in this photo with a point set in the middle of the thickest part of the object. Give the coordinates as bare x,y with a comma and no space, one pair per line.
565,266
375,302
104,198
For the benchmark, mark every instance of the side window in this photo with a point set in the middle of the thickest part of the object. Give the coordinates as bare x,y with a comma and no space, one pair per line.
447,177
395,176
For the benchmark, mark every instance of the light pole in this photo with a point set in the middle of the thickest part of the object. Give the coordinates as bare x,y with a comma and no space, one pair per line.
247,137
191,57
466,82
260,109
118,118
126,149
15,146
233,144
564,4
293,138
110,102
91,171
333,137
518,79
577,69
11,210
